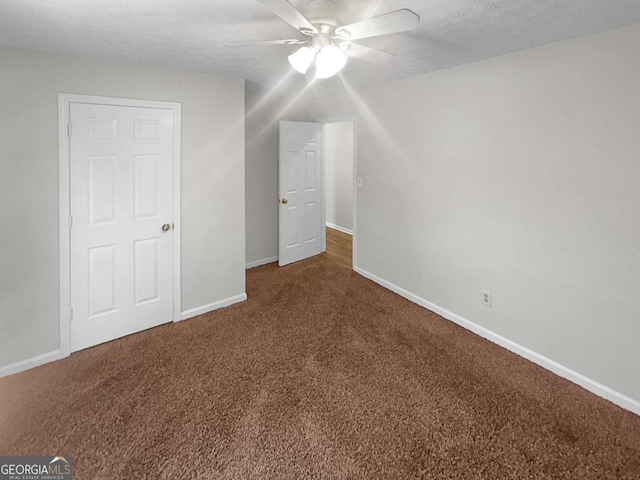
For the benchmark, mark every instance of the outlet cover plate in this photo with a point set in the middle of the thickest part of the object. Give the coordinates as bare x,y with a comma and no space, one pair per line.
486,298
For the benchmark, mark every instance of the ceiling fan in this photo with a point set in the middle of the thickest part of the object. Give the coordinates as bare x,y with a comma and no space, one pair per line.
327,43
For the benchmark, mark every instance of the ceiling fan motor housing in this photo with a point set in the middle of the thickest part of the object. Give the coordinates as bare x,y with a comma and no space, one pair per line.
322,12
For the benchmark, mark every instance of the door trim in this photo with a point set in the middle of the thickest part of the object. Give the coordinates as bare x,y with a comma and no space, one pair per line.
354,121
64,190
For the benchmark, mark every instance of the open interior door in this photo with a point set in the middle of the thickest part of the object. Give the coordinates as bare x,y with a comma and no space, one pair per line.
300,186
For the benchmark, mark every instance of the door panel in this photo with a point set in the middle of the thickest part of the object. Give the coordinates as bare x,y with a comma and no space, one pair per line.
146,194
101,189
300,219
103,265
310,171
121,195
146,271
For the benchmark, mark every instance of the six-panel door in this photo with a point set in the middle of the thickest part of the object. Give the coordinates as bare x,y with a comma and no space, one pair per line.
301,189
121,196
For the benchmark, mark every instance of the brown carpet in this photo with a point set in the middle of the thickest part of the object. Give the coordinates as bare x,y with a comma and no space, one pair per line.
321,374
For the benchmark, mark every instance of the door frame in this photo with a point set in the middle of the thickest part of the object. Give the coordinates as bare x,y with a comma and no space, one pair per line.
64,190
354,121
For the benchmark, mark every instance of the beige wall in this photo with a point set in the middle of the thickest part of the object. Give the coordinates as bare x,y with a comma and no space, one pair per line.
338,158
213,235
518,175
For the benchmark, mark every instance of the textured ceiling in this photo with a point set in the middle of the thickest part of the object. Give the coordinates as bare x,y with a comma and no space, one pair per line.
189,34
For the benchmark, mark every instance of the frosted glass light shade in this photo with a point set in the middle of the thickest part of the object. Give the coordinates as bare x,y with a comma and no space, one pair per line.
329,61
302,59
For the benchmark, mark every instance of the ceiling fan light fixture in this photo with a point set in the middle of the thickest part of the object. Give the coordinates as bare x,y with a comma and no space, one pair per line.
328,42
302,59
329,61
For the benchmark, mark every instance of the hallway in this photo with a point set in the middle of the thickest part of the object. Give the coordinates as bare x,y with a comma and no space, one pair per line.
340,247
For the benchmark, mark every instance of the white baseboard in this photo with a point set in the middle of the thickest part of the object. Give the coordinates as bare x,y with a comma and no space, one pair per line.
194,312
339,228
31,362
264,261
58,354
597,388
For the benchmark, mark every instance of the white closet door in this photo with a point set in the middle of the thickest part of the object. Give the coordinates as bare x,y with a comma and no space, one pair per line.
122,225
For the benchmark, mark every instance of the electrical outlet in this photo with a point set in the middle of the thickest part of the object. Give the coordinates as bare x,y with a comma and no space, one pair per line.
360,182
486,298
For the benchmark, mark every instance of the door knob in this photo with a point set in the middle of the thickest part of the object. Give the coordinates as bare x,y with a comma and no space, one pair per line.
285,201
166,227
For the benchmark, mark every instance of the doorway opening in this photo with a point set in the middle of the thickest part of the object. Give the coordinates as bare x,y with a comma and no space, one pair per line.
340,186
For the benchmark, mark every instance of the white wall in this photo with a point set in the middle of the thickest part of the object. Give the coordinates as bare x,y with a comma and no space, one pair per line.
519,175
338,157
213,235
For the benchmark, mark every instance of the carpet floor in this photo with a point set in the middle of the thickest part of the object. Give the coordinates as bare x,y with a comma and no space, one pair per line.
321,374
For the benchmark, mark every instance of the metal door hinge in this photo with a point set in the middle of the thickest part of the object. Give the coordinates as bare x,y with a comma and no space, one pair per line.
69,129
70,223
71,314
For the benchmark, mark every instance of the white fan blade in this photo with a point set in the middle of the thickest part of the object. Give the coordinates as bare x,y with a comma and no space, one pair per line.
265,43
367,53
394,22
290,14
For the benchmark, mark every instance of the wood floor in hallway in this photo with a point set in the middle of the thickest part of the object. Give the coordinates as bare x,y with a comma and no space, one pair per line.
340,247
